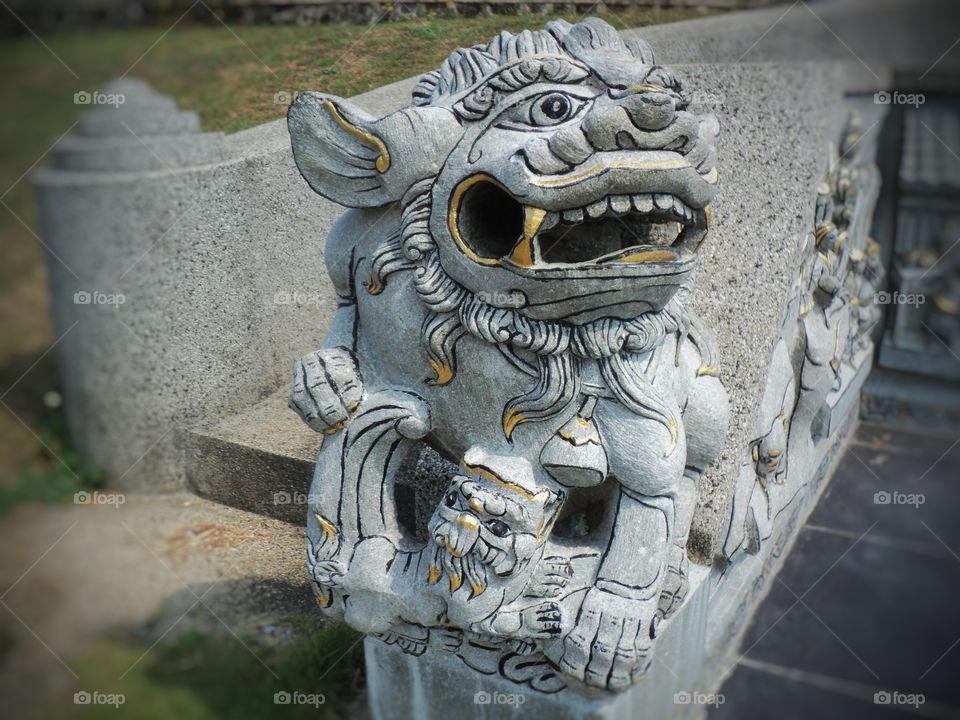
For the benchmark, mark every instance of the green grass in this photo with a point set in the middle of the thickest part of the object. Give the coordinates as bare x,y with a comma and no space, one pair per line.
200,677
53,472
231,78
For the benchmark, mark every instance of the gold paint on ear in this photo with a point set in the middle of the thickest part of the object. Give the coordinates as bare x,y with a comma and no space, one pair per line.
383,159
325,600
433,574
328,527
443,372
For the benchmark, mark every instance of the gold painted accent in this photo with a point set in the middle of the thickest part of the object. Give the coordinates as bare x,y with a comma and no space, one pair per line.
947,305
712,176
601,168
643,87
511,419
450,550
707,213
823,231
648,256
328,527
487,473
373,287
578,439
674,436
325,600
468,522
334,429
433,574
706,369
476,589
453,216
774,453
522,254
475,505
455,581
383,159
443,371
756,453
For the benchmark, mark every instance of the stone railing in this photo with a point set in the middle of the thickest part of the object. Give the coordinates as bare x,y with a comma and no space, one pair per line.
188,271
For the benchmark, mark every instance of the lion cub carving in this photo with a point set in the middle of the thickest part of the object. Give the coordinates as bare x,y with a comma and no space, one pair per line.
512,282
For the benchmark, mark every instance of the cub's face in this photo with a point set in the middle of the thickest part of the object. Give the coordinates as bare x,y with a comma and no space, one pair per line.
487,527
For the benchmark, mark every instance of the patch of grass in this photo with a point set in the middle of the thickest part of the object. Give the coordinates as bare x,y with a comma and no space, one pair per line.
198,677
54,472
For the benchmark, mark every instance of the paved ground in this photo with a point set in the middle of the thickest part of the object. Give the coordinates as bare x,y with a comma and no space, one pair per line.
863,618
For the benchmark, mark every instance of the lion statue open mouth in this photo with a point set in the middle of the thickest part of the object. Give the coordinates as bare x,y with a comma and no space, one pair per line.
512,279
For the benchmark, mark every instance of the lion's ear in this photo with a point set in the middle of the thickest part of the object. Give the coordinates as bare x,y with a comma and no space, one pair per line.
354,159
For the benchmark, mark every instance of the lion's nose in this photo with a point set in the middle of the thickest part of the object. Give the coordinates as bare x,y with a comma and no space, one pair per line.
462,534
616,123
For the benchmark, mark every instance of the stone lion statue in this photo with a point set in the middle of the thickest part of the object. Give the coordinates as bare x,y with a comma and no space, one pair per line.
512,277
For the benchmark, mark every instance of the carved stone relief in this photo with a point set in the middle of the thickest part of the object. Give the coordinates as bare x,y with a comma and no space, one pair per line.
824,349
513,282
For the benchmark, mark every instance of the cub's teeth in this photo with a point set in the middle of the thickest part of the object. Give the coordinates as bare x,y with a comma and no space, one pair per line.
642,203
620,204
598,208
573,216
663,202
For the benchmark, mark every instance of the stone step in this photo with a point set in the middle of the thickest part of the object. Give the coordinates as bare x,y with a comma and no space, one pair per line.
260,460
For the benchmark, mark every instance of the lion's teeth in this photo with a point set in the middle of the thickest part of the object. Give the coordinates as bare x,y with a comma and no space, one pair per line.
663,202
598,208
642,203
573,216
551,220
533,218
620,204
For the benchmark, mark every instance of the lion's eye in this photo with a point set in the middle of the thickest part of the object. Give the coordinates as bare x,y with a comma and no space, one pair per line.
450,499
498,527
544,111
554,108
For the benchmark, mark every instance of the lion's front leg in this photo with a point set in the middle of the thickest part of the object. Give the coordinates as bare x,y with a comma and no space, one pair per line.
612,637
